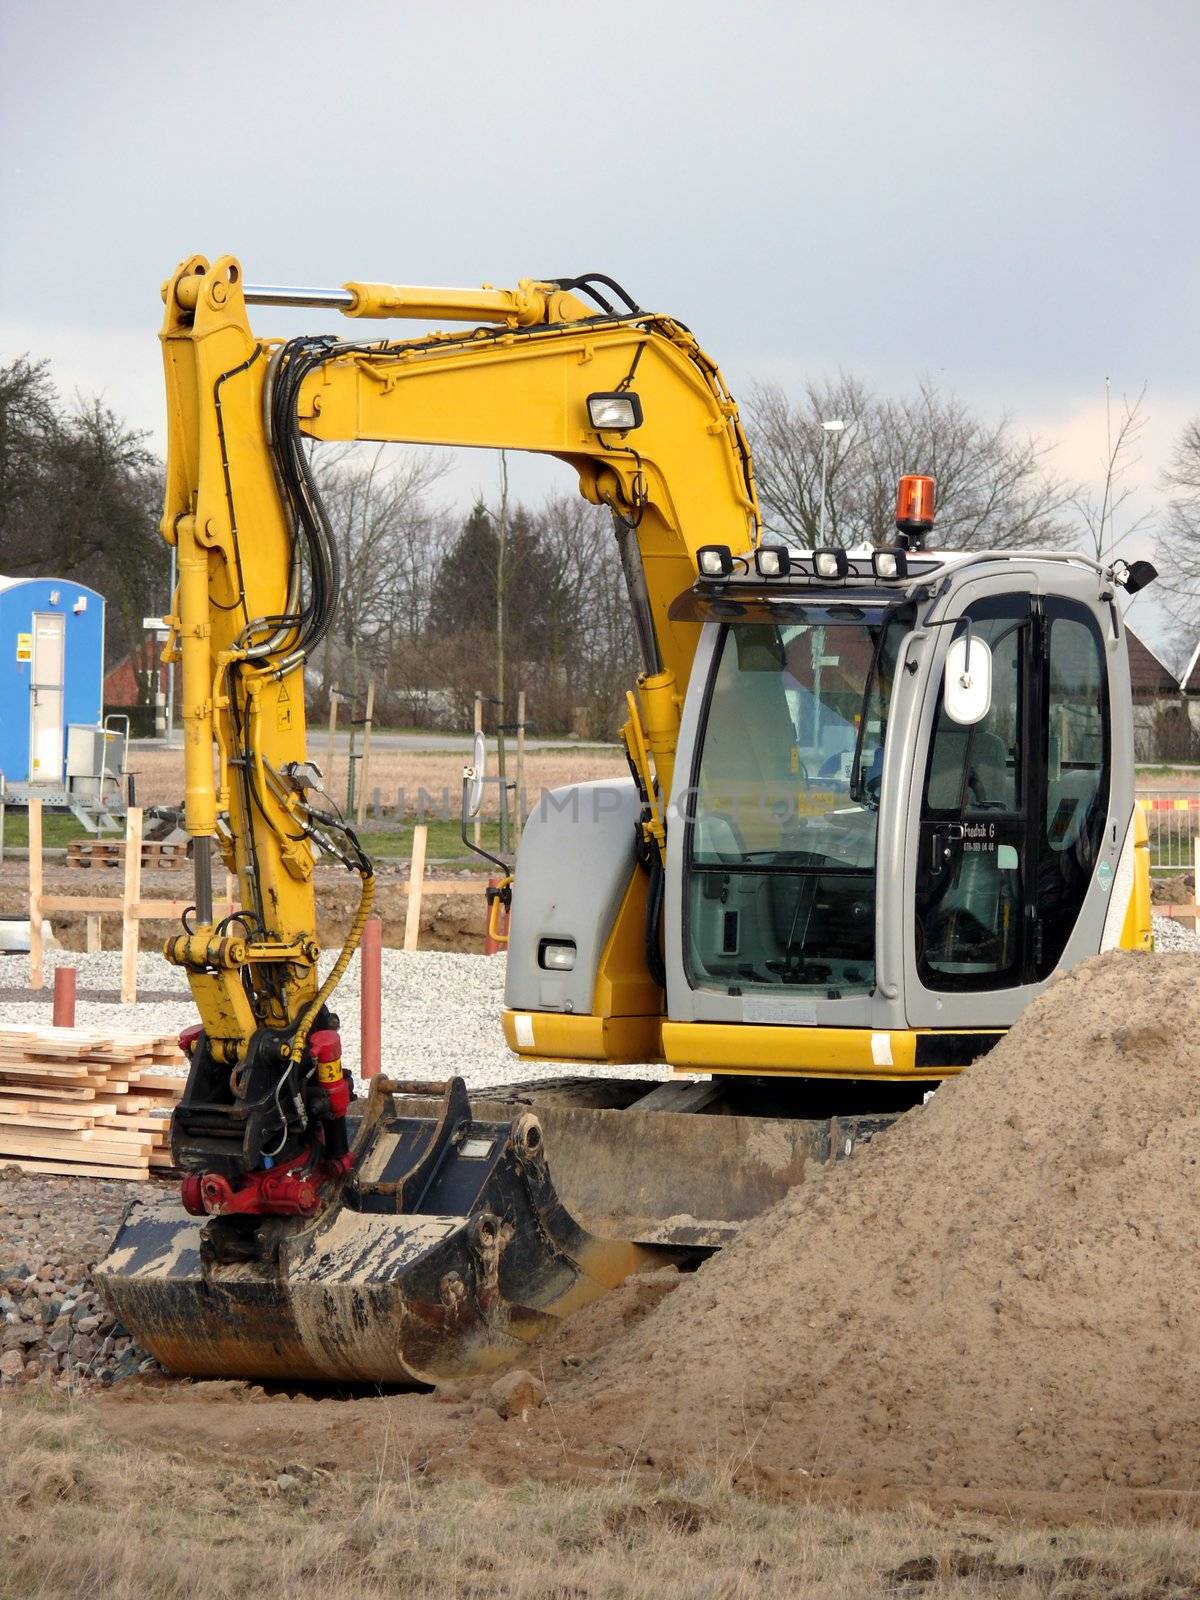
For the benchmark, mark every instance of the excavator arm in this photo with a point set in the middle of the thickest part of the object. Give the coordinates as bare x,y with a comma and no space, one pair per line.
627,398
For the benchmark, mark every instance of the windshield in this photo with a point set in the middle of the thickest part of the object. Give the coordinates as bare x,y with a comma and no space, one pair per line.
781,842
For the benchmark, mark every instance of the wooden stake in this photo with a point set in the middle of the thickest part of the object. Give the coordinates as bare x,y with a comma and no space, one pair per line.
329,746
416,884
520,808
37,970
94,932
1196,880
364,769
130,906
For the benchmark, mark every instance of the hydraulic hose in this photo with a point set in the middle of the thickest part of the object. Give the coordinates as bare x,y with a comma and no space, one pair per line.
304,1027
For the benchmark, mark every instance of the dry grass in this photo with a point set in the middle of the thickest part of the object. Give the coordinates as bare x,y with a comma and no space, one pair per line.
82,1515
437,772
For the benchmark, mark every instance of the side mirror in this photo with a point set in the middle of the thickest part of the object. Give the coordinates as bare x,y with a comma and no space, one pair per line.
967,689
475,775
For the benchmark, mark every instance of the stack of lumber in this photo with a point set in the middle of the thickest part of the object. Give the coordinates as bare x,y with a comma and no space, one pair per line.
87,1103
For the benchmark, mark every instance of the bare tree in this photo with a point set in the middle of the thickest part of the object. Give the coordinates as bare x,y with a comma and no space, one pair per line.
80,496
1179,536
593,653
994,486
1098,516
389,538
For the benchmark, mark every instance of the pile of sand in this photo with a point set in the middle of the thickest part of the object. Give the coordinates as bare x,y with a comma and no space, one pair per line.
1003,1289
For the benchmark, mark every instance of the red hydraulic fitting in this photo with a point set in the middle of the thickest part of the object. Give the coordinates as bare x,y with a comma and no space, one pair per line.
325,1046
338,1095
192,1196
188,1037
278,1192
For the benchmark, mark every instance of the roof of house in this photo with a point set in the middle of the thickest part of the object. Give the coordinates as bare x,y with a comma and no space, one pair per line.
1149,674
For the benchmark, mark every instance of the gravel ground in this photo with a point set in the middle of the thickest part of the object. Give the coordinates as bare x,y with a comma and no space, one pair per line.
1170,935
441,1011
53,1324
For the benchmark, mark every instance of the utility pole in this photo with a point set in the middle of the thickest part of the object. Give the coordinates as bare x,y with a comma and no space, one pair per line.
835,425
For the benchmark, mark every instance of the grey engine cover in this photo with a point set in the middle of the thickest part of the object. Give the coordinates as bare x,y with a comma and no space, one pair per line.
574,863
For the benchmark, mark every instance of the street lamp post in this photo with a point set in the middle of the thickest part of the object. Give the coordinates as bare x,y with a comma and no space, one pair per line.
835,425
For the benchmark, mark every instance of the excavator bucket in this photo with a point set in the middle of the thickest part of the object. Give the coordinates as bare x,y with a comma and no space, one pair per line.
449,1248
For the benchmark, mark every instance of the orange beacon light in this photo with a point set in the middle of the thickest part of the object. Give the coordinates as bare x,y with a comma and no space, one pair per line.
914,509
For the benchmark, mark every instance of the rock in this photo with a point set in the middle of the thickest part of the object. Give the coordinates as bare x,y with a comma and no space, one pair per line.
60,1337
127,1366
287,1482
516,1394
87,1324
83,1347
12,1364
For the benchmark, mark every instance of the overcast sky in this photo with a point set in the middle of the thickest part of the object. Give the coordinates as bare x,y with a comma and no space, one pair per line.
1001,195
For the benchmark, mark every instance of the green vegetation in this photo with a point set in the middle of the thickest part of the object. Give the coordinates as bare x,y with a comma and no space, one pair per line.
58,829
392,841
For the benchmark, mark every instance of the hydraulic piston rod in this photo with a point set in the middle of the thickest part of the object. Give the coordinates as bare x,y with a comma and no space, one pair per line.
529,304
273,294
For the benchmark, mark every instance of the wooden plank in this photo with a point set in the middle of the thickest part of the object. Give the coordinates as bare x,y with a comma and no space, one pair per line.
416,878
133,893
75,1169
81,903
39,1093
142,1120
45,1119
160,910
95,904
98,1138
37,955
65,1149
449,886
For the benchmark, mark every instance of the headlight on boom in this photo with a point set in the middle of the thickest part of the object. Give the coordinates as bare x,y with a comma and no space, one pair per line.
617,412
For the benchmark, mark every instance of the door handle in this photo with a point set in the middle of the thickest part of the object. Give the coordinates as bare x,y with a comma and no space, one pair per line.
941,841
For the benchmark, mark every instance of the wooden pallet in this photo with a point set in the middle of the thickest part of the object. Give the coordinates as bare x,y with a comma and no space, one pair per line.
87,1102
94,853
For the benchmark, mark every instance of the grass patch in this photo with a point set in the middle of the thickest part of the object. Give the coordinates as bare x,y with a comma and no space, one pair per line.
393,841
81,1514
58,829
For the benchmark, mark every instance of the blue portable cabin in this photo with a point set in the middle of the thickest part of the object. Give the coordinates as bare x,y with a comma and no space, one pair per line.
52,648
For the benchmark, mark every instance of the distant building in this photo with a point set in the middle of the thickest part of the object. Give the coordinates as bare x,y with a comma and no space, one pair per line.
1162,728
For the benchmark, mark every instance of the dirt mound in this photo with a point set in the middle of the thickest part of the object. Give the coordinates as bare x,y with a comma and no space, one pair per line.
1002,1290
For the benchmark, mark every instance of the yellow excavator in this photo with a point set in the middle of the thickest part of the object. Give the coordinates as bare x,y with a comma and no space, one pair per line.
877,799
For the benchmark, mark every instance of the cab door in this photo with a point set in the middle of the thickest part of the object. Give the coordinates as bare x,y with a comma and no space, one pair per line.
1010,815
